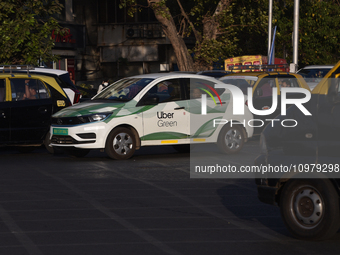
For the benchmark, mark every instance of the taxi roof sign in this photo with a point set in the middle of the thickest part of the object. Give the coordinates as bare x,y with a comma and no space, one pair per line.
255,68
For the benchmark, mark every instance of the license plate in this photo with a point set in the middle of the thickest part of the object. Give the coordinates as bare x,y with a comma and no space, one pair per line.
60,131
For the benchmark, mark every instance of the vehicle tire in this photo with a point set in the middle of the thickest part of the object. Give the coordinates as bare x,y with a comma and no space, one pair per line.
47,143
231,139
120,144
182,148
310,208
78,153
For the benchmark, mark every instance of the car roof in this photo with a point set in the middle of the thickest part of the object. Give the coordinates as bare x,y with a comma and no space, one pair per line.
172,75
318,67
258,73
36,70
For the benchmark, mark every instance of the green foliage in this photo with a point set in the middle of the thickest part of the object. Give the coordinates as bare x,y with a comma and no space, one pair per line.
243,29
25,30
318,31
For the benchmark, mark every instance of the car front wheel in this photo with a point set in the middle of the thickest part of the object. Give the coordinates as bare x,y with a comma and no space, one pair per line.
231,139
310,208
120,144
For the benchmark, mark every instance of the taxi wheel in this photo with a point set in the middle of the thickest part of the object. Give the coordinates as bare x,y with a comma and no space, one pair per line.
120,144
47,143
231,139
310,208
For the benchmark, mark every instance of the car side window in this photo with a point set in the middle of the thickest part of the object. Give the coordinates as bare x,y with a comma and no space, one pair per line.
290,82
198,87
265,87
167,91
2,90
28,89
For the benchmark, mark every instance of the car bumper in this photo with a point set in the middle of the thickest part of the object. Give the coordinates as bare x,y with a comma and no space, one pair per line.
87,136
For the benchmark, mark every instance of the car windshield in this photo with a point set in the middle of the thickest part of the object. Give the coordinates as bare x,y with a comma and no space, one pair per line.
314,73
123,90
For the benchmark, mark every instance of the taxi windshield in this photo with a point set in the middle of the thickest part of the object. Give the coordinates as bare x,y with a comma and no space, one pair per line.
124,90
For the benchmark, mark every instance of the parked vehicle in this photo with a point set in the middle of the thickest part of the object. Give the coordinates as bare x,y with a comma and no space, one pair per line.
62,77
150,109
308,195
314,74
262,84
26,116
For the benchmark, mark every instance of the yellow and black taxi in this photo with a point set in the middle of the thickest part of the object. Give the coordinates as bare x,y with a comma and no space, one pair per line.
27,102
262,79
306,185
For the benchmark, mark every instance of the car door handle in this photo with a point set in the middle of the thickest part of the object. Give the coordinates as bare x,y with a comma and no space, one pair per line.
179,108
42,110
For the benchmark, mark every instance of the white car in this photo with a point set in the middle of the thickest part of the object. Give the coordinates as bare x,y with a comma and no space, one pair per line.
152,109
314,74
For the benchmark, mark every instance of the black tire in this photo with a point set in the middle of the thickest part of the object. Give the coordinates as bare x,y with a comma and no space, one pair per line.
231,139
78,153
310,208
120,144
47,144
182,148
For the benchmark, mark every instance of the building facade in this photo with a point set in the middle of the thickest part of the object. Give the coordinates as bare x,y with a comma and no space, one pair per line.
104,41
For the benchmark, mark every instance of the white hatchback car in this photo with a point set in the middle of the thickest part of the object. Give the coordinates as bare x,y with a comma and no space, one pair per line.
152,109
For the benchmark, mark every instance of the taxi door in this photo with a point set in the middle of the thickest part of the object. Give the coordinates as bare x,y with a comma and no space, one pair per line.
4,113
30,118
167,119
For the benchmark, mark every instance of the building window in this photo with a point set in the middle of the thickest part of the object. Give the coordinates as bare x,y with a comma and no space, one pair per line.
109,12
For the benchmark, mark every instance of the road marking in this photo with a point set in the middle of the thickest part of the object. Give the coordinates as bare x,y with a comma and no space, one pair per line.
19,234
194,203
142,234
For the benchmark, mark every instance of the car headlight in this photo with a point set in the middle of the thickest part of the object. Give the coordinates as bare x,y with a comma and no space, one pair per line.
263,144
95,117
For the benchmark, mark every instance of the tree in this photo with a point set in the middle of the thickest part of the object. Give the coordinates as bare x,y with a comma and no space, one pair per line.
25,30
318,31
213,23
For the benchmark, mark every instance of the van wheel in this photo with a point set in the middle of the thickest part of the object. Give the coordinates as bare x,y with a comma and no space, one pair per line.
120,144
231,139
310,208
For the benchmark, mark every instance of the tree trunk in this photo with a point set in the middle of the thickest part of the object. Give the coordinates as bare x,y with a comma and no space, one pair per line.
162,13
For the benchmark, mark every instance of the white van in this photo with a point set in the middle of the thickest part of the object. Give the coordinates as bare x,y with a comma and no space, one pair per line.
152,109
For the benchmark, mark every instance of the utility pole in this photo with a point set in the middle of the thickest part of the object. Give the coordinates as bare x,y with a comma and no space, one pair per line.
270,21
294,65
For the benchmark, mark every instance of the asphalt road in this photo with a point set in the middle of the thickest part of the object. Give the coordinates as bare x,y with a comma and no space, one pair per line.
145,205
